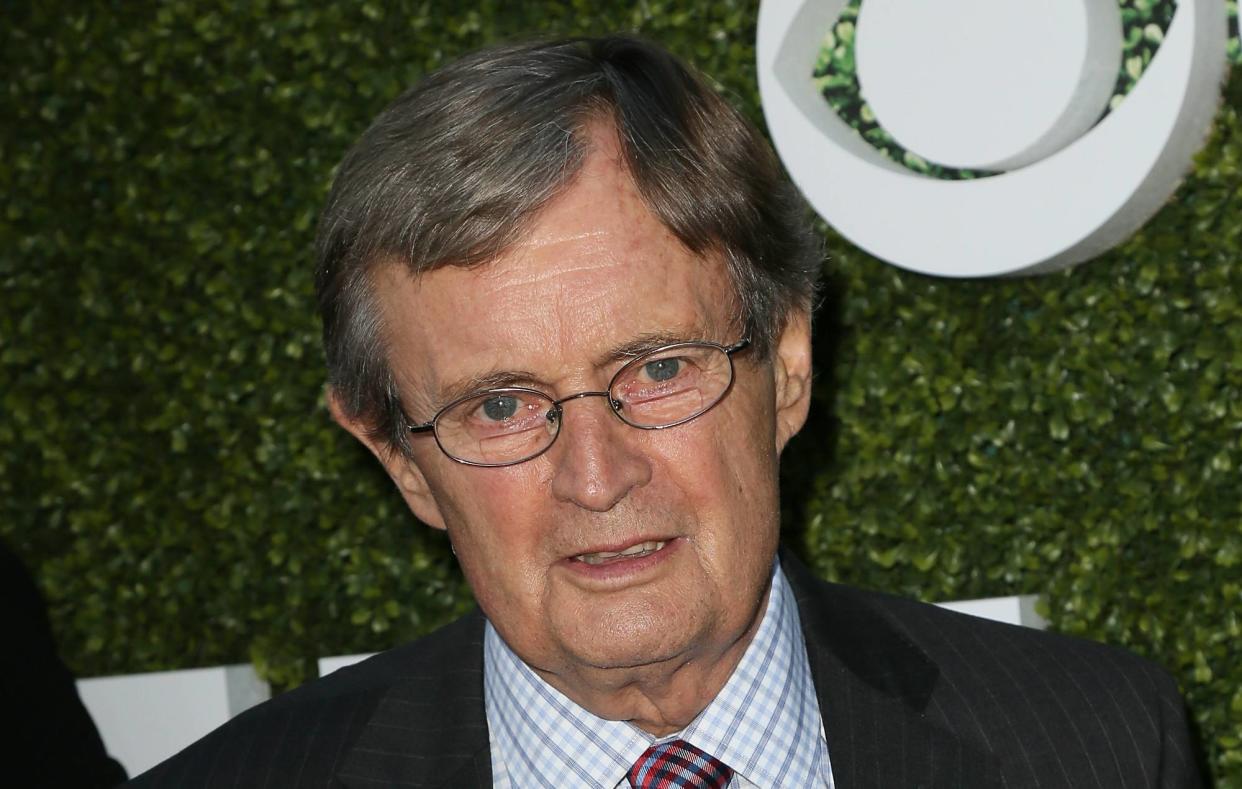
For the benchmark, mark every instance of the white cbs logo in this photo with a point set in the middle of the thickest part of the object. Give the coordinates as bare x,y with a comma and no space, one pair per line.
1005,85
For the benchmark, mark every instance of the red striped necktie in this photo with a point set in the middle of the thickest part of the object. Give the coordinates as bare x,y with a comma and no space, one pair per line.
677,764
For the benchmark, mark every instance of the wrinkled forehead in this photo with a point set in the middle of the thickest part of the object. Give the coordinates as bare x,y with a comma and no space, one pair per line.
554,318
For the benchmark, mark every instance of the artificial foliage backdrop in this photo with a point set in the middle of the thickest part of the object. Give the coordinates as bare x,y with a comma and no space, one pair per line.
168,470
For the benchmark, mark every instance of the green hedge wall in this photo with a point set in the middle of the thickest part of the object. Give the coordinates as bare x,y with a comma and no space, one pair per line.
168,469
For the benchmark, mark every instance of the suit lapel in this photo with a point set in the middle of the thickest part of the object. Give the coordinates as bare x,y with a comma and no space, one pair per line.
874,687
429,729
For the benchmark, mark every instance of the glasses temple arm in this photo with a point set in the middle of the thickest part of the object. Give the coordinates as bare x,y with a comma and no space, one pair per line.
740,345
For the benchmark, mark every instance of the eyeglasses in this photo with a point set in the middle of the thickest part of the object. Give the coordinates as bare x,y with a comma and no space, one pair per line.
661,388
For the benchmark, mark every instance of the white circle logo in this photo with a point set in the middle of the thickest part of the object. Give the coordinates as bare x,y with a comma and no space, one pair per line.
1010,90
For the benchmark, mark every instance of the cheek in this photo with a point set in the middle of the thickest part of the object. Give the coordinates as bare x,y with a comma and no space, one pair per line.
726,477
735,444
489,512
494,520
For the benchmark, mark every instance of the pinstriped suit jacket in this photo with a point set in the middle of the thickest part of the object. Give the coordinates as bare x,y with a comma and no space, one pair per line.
911,696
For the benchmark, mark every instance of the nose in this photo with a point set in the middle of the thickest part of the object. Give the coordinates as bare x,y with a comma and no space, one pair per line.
595,464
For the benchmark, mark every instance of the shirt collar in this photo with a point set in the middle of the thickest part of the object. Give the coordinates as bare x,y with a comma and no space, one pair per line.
765,723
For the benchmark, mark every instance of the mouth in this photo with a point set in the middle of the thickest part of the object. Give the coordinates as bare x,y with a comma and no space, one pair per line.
636,551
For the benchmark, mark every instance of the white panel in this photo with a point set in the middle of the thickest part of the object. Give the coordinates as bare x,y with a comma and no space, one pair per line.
329,664
145,718
1014,610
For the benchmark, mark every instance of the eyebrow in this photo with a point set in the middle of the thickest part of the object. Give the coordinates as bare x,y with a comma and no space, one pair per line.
648,342
498,379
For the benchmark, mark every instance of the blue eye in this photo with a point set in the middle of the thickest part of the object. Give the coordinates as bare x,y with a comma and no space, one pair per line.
662,369
500,407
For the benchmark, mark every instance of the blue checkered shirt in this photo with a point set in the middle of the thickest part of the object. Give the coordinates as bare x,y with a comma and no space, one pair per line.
764,724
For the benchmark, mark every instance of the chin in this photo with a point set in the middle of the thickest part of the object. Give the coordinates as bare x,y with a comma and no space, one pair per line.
649,636
631,656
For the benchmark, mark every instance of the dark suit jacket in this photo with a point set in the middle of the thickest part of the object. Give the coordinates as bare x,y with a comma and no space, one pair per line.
911,696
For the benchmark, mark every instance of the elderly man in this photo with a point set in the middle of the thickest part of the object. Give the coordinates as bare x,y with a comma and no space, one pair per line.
566,296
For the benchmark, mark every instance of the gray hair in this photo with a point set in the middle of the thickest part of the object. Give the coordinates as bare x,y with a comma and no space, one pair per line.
457,167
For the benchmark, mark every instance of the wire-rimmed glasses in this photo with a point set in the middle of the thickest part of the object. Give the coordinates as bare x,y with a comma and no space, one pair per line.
664,387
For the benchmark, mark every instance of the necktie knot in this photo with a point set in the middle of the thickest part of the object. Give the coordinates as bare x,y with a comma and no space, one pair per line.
677,764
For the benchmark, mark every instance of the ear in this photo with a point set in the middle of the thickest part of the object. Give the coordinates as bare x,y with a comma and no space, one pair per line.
404,471
791,367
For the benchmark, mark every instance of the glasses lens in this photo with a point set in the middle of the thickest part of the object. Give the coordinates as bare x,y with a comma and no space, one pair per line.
497,427
671,385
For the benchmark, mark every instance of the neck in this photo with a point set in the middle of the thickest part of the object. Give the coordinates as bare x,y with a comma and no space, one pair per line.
663,697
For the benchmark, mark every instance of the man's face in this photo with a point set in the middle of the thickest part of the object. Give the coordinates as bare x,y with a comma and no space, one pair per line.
596,273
